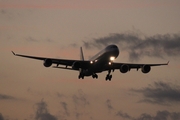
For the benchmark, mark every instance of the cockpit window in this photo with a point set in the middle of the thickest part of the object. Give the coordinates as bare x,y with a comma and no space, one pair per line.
113,46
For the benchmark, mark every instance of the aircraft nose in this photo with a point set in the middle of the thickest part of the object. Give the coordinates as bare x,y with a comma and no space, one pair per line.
115,51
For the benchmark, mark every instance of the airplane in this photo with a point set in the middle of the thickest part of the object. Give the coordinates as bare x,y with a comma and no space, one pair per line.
102,61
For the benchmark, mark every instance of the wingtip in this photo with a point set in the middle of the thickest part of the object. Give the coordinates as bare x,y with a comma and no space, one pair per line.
13,53
167,62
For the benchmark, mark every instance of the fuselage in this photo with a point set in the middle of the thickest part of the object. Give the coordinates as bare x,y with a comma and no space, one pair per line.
102,59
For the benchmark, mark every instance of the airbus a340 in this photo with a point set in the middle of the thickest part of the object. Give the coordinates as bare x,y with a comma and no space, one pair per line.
102,61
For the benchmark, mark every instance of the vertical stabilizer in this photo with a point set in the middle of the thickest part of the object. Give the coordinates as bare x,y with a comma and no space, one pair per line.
81,54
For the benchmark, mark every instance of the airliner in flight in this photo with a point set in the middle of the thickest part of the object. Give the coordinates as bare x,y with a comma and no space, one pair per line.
102,61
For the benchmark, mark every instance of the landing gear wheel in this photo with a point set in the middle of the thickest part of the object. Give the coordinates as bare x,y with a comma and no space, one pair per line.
95,76
81,76
108,77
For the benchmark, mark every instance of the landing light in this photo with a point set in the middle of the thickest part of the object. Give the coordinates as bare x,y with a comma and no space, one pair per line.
112,58
91,62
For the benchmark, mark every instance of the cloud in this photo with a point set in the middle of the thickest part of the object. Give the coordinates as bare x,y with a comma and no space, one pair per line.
6,15
160,115
6,97
138,45
1,117
160,93
60,95
3,11
80,99
109,105
42,112
64,105
123,115
78,115
31,39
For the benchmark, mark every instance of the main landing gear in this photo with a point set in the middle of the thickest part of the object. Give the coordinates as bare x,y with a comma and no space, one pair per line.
81,76
109,76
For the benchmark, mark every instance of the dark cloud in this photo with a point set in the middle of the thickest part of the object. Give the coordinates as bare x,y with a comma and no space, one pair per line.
160,115
64,105
109,105
3,11
80,102
1,117
60,95
31,39
74,45
42,112
124,115
49,40
6,97
38,93
140,45
80,99
160,93
7,14
78,115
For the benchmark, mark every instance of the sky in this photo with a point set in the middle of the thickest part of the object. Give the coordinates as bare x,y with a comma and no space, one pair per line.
146,31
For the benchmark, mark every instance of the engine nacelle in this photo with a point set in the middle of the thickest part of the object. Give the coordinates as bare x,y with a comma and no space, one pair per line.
124,68
47,62
76,65
146,68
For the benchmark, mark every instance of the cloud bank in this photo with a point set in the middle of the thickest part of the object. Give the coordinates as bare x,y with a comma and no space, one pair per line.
160,93
42,112
80,99
64,106
6,97
109,105
1,117
138,45
160,115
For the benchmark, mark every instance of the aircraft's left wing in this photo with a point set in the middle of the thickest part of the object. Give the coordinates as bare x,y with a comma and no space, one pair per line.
125,67
49,61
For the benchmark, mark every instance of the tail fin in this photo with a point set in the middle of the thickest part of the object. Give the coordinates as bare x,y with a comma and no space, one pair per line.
81,54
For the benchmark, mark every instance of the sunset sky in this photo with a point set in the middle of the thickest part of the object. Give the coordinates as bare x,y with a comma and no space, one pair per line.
146,31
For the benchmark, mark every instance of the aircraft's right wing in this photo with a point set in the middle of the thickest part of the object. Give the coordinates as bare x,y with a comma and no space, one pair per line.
49,61
124,67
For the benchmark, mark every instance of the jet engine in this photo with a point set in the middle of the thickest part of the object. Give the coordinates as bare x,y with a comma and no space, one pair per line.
124,68
47,62
146,68
76,65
